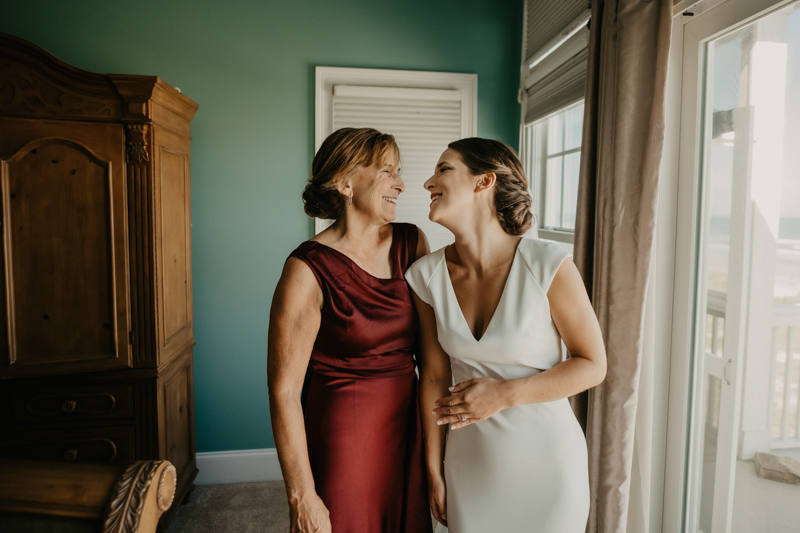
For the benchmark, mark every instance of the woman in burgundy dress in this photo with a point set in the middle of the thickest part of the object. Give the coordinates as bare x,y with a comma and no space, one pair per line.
342,386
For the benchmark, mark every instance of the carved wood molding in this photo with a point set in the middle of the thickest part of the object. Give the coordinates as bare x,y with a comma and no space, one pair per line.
125,507
137,143
26,92
130,493
34,83
167,486
140,91
140,228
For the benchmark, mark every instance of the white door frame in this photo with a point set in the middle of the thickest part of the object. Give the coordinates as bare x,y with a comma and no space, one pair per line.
679,197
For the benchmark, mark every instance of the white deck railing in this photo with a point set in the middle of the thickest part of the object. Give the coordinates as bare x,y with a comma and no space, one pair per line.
785,382
784,386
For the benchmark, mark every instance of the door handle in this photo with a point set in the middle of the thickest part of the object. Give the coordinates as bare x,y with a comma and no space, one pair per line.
725,372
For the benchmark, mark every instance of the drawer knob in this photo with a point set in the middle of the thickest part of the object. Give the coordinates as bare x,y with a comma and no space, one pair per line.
68,406
70,455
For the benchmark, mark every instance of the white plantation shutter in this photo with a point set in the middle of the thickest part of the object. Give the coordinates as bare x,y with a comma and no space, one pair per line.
423,119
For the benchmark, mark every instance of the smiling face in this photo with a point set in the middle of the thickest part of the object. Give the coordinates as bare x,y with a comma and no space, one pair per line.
479,181
375,189
452,189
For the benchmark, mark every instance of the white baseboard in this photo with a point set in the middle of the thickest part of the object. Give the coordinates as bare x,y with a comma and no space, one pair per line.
239,466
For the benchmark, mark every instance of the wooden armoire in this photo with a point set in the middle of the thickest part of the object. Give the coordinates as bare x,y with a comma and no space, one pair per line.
96,330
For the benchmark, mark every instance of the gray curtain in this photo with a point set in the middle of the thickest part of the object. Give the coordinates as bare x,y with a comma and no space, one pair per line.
623,134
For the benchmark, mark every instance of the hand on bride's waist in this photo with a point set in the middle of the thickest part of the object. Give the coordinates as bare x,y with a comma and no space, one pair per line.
472,401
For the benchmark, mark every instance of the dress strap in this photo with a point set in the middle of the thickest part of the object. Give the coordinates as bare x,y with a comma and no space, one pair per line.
404,246
301,253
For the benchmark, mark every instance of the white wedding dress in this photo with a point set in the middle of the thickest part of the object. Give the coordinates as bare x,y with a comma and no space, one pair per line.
524,469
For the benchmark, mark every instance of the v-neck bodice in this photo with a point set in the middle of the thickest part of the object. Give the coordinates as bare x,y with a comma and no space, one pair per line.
525,467
494,312
520,336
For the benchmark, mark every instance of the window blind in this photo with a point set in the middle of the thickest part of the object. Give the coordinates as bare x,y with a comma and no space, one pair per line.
556,55
423,121
545,19
564,86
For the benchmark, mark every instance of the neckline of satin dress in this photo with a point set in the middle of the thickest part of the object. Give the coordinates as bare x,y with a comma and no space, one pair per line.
395,266
499,302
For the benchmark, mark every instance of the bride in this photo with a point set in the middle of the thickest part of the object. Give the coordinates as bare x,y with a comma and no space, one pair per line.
493,309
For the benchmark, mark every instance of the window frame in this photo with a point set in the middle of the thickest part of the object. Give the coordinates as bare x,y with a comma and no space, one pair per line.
534,158
326,78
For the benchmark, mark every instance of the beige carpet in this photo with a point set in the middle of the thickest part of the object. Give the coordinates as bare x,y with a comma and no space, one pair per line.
236,508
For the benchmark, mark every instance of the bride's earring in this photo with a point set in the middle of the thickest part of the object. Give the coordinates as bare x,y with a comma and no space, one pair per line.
350,201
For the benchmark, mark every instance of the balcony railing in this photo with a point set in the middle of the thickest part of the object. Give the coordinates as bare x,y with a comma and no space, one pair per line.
785,382
784,387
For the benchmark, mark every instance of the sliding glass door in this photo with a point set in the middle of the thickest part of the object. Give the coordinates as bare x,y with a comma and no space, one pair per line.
740,267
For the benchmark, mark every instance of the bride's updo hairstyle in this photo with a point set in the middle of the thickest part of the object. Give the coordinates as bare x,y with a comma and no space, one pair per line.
339,156
512,201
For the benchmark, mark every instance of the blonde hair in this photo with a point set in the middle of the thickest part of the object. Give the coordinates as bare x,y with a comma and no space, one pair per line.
339,156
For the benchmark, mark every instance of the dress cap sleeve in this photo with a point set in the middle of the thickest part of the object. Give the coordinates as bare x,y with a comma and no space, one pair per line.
420,273
302,253
543,259
417,283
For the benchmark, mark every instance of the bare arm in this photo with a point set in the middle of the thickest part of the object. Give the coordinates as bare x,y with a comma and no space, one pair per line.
434,371
577,324
435,378
293,326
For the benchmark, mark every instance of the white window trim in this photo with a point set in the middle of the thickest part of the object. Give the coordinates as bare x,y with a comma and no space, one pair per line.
358,79
556,235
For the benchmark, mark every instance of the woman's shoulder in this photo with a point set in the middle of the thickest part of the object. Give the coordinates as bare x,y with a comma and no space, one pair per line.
542,259
318,256
304,249
406,240
426,266
409,233
405,227
541,247
420,274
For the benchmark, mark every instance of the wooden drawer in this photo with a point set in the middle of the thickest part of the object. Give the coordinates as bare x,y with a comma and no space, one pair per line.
107,445
65,404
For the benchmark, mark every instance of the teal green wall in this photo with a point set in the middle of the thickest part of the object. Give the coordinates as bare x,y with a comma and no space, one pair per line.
249,64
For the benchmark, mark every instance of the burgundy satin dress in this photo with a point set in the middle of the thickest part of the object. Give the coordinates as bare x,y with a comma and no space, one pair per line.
360,394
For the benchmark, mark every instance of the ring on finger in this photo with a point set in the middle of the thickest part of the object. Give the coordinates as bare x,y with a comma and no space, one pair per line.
463,418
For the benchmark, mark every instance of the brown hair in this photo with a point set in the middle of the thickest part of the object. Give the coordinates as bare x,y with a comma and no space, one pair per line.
512,201
340,155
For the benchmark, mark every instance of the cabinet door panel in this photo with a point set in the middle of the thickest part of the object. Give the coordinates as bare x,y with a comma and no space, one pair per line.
179,431
174,252
58,255
64,253
174,237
